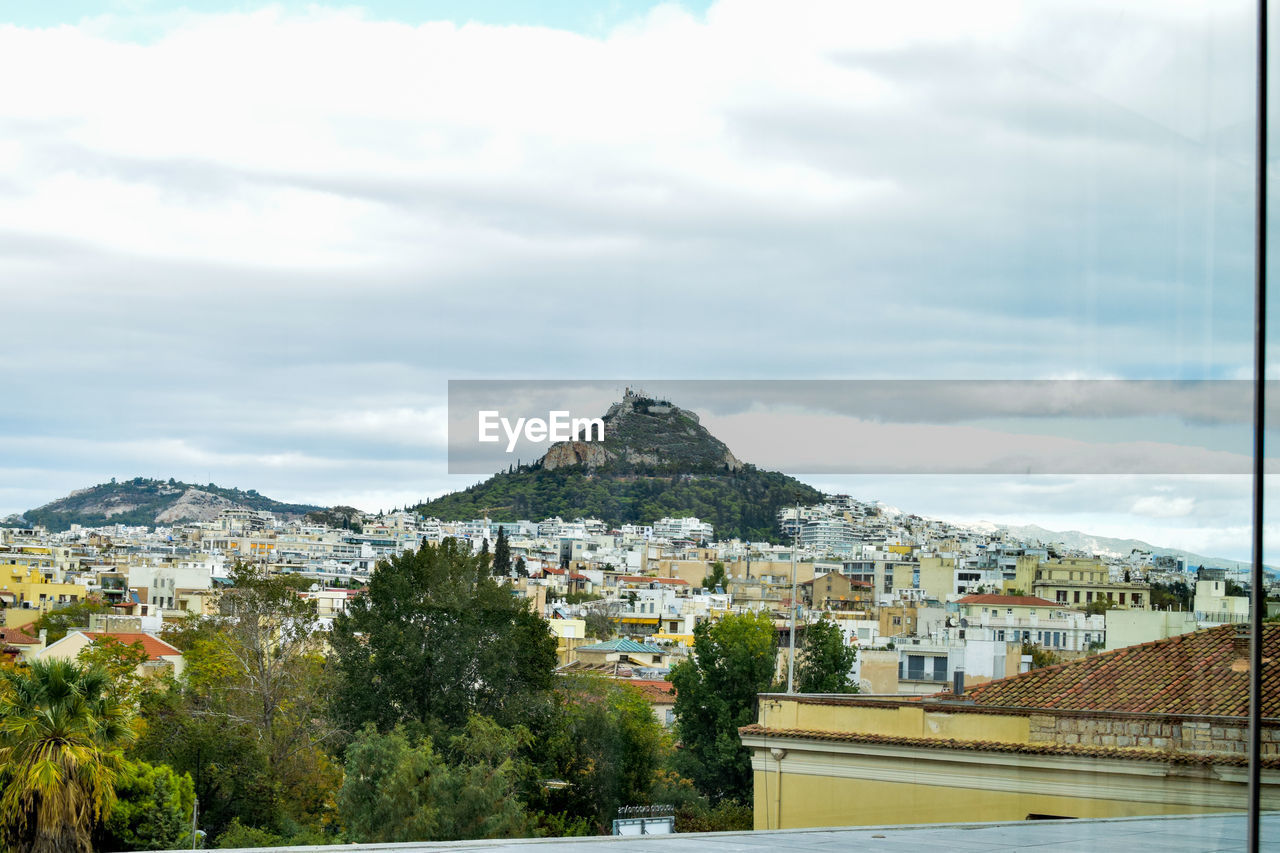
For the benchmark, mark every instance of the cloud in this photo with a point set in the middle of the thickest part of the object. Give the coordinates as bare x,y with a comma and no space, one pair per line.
275,235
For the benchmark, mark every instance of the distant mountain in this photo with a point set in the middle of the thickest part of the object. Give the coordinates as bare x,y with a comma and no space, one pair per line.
1106,545
150,502
656,460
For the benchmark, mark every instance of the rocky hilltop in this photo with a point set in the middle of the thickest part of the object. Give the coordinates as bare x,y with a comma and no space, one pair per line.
644,434
150,502
656,460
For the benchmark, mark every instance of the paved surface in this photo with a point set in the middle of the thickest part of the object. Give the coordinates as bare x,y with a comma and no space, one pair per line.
1194,834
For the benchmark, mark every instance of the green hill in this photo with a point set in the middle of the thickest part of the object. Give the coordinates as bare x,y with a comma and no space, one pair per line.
656,460
150,502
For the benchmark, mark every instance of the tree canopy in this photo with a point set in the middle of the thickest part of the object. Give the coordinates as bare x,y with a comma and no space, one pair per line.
62,732
733,660
435,639
826,660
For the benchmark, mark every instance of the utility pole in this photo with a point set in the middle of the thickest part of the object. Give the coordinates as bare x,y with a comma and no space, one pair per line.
791,658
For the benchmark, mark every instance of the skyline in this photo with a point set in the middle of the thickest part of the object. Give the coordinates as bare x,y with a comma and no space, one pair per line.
251,247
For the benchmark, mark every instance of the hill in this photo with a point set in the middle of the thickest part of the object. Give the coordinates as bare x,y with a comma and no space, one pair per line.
656,460
150,502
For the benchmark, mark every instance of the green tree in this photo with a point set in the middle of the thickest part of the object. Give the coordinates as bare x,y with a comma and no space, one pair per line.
58,622
62,732
121,662
249,719
825,660
502,555
716,578
153,809
1099,606
733,661
434,639
226,759
608,748
599,624
1040,657
402,789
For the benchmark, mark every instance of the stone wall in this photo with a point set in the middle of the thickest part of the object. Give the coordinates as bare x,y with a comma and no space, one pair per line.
1198,736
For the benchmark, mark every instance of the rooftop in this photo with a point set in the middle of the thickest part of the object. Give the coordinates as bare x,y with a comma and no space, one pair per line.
1010,600
155,647
12,636
622,644
1205,672
1165,834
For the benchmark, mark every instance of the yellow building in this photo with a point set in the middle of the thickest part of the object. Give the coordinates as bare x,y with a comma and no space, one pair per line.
24,586
1098,737
1077,582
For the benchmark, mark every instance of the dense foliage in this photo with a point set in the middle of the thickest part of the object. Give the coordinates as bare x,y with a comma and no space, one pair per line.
153,810
434,640
826,661
432,711
606,745
249,720
399,788
742,503
75,615
62,732
733,660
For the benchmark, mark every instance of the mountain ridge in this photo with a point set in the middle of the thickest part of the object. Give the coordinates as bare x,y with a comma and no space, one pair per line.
143,501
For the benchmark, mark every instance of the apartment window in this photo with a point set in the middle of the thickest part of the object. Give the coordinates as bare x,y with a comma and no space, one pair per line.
1122,598
1062,596
1137,599
1075,597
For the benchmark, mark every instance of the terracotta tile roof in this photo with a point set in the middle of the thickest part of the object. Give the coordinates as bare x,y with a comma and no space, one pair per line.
155,647
1010,600
1198,673
12,636
662,692
1129,753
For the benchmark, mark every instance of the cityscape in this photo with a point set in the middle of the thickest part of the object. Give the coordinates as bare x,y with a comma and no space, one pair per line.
854,628
690,425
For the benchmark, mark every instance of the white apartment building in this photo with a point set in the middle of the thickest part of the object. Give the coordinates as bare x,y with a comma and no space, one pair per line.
683,528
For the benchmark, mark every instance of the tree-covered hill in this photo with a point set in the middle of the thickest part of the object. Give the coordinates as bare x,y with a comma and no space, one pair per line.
742,503
656,460
141,501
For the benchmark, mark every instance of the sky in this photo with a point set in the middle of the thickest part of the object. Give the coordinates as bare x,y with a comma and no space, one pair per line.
251,244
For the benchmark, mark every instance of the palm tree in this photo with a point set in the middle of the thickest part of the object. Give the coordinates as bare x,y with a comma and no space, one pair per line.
61,735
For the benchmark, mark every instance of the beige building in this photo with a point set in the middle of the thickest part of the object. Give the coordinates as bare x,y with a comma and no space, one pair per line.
161,657
1147,730
1131,627
1077,582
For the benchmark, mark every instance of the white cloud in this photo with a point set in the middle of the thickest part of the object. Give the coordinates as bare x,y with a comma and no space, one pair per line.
256,244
